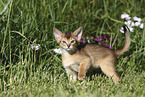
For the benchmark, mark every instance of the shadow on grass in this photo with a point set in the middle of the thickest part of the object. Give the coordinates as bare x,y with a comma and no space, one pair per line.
97,71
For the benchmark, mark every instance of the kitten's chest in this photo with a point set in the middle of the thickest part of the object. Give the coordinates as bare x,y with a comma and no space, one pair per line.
71,62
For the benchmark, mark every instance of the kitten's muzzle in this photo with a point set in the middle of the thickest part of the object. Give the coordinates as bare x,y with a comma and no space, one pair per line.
68,46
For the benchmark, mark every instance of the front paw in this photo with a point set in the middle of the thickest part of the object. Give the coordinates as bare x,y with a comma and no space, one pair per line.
72,78
81,76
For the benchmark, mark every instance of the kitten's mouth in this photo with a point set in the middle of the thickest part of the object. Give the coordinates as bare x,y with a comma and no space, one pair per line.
68,49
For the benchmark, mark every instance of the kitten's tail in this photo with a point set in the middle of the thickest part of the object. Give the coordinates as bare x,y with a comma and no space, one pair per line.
126,45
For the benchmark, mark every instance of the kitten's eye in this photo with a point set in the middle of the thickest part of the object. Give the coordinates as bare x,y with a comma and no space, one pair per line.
73,41
63,42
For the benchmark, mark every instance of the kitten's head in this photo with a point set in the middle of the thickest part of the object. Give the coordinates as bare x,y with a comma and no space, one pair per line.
68,40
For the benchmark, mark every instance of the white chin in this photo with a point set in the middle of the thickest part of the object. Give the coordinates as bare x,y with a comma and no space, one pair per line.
68,49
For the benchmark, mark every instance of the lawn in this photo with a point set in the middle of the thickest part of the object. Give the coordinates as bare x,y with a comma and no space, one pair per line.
29,67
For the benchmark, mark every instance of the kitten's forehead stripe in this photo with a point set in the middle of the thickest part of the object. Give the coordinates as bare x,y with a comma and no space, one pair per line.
68,35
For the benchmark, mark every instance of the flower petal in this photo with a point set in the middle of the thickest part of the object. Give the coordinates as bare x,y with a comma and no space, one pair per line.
97,39
125,16
128,18
122,30
132,24
141,26
131,29
137,19
37,47
137,23
129,23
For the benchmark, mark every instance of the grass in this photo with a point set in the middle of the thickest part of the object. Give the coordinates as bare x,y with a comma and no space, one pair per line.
27,72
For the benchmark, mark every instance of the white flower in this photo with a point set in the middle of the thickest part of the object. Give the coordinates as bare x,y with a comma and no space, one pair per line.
137,23
129,23
137,19
141,26
122,30
131,29
35,46
58,51
125,16
132,24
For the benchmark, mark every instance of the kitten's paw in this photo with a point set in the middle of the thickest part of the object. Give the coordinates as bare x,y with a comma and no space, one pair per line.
116,79
72,78
81,76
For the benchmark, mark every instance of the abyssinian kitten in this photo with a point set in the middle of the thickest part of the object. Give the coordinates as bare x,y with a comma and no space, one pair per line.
80,59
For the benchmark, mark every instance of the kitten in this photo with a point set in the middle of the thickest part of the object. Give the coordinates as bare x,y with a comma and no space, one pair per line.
79,59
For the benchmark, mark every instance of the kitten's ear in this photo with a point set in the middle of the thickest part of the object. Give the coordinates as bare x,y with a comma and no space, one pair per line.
78,33
57,34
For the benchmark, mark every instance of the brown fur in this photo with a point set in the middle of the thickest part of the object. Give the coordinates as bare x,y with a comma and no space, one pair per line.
80,58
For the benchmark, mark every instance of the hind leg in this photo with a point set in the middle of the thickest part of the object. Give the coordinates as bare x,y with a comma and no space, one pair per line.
108,67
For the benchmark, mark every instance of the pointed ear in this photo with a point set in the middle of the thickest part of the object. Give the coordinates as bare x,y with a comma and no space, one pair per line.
78,33
57,34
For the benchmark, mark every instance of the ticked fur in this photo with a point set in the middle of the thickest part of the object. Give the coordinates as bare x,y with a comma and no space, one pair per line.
79,59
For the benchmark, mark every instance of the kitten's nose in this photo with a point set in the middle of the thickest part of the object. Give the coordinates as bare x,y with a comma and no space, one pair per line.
68,45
